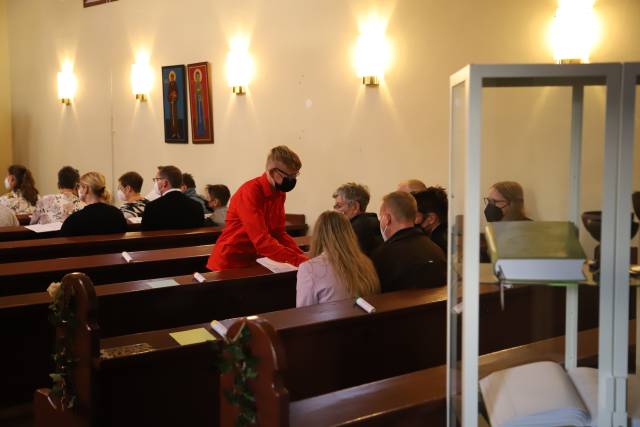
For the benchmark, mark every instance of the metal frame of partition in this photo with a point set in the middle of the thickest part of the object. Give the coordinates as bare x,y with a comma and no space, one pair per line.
614,274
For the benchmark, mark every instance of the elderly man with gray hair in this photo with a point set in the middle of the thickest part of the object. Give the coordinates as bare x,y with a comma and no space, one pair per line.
352,199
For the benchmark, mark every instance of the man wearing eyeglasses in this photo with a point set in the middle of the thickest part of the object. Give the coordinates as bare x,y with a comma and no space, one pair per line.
255,221
172,209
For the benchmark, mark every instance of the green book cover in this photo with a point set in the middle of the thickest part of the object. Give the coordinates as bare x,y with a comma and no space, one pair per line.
535,251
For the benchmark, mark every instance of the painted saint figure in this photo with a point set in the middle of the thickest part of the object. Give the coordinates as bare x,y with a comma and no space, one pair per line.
201,125
172,97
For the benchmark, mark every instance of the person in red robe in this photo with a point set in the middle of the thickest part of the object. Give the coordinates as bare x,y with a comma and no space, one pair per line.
254,226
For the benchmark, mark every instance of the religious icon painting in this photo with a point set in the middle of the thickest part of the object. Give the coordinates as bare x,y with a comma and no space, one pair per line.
200,103
174,100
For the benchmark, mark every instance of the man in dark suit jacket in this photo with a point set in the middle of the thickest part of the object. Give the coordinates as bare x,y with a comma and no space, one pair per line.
408,258
173,209
433,208
352,199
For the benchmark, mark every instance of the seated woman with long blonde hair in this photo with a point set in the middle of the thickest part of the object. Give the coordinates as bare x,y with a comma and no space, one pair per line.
338,269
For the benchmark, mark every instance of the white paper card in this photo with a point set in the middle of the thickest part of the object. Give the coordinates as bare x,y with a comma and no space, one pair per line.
199,277
126,257
219,328
162,283
365,305
43,228
275,266
134,220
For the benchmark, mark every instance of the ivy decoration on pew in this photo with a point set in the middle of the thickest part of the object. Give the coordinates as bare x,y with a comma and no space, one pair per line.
62,317
237,358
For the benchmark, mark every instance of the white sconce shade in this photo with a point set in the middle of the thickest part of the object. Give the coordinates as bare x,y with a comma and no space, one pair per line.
574,31
67,84
141,80
373,52
240,66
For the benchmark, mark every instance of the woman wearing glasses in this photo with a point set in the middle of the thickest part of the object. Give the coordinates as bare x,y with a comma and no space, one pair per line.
505,202
254,224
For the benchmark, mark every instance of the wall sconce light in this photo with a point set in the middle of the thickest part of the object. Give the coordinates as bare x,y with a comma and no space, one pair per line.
574,31
373,52
141,78
240,66
67,84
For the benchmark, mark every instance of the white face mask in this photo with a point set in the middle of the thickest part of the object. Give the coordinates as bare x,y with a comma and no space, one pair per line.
121,196
81,193
7,183
383,230
156,188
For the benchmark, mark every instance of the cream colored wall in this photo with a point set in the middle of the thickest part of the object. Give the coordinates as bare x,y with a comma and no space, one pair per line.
5,91
305,93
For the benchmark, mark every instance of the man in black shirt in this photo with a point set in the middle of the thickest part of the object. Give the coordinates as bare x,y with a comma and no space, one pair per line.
173,209
433,208
351,199
408,258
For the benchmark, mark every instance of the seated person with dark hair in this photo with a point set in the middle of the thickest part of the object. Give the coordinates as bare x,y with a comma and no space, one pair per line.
408,258
98,216
433,208
129,186
218,197
352,199
57,207
188,188
172,209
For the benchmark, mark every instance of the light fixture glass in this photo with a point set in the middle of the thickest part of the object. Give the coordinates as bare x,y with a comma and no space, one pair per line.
67,84
373,51
141,77
240,66
574,31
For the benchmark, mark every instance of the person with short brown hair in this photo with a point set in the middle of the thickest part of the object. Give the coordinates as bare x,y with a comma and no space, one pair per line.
58,207
411,186
129,186
408,258
255,219
217,198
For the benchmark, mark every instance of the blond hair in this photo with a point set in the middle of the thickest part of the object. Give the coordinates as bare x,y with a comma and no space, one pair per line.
285,155
334,236
513,193
97,185
402,206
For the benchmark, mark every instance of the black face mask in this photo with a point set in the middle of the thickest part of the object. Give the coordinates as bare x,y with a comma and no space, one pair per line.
493,213
286,185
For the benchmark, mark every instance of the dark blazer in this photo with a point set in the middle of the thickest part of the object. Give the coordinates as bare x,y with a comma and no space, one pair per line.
439,237
172,210
96,218
367,229
409,259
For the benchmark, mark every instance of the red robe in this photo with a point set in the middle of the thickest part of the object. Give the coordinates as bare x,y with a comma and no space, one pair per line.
254,228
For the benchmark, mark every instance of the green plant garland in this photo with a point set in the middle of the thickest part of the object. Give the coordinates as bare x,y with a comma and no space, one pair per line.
62,317
237,358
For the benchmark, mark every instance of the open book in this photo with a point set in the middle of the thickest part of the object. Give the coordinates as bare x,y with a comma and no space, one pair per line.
544,394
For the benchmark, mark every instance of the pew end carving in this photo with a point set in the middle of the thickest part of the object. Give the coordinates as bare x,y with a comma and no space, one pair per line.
271,397
82,335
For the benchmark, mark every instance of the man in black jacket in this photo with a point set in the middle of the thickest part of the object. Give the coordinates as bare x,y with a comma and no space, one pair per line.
408,258
173,209
433,208
351,199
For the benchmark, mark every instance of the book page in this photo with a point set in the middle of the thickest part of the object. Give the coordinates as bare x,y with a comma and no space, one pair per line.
275,266
537,394
43,228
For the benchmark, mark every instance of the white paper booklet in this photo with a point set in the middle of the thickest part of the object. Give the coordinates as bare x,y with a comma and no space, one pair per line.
539,394
43,228
135,220
275,266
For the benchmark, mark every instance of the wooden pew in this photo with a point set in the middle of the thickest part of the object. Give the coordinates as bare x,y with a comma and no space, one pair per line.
58,247
419,398
335,345
294,223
